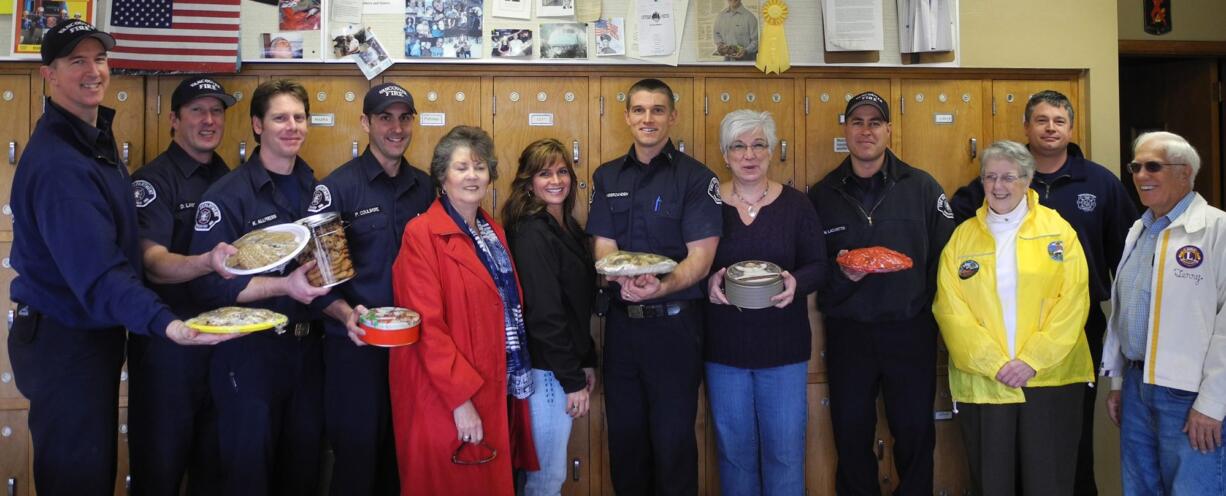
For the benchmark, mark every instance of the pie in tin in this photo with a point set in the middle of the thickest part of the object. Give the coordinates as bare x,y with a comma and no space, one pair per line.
631,263
230,320
261,248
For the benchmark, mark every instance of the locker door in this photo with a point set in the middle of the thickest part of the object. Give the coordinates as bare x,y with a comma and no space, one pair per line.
951,474
442,103
126,94
820,457
883,446
8,385
14,135
776,96
123,474
825,100
15,453
615,136
528,109
817,357
1009,105
238,141
940,125
335,131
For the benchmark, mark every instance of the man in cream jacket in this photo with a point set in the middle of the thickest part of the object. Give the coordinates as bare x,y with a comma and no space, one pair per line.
1165,348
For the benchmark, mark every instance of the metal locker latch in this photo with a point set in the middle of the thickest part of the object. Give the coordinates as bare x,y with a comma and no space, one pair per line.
574,151
681,146
783,151
242,151
127,148
12,153
574,470
355,148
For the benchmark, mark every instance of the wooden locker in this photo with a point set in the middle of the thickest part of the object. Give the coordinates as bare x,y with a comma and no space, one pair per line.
883,447
15,135
723,95
527,109
123,474
817,355
1009,98
615,138
825,100
15,453
238,141
951,474
820,457
334,135
940,124
442,103
9,396
126,94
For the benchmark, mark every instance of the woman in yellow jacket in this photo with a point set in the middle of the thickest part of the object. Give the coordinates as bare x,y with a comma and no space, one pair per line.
1012,299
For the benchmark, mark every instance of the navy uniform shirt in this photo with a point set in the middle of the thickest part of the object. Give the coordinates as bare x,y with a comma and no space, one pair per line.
656,208
75,244
167,190
375,208
240,202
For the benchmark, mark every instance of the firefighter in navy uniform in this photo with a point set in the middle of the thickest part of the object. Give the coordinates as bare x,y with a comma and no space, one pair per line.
172,428
376,195
78,260
880,332
657,200
267,388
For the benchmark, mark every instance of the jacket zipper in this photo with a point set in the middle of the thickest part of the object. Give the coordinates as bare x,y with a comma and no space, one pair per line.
869,214
1047,185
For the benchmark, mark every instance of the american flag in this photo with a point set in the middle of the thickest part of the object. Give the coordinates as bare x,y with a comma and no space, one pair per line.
199,36
605,26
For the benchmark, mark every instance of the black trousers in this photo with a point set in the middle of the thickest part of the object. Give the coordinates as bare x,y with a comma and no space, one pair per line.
652,372
172,428
71,377
1038,437
357,419
897,359
1096,326
268,389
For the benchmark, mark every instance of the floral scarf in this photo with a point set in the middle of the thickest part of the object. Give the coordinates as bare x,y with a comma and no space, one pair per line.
497,261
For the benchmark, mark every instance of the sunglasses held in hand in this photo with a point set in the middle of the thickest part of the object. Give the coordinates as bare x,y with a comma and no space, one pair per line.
1151,166
478,454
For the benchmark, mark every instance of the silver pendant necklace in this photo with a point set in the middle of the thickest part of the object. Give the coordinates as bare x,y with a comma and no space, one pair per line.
751,207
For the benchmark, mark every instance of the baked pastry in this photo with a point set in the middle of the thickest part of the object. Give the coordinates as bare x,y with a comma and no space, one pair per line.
260,248
631,263
236,319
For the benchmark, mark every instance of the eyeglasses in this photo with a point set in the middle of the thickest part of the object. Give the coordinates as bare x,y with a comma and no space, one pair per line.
993,178
1152,167
479,454
740,148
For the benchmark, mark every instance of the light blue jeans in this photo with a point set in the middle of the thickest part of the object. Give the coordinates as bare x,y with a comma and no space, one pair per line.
760,417
551,433
1157,458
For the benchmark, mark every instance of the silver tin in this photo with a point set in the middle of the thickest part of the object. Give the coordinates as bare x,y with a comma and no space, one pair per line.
752,283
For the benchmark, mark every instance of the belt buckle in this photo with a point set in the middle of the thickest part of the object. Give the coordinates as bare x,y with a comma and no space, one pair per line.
302,329
672,309
635,311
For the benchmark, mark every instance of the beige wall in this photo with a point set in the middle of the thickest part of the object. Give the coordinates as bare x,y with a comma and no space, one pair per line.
1053,34
1191,20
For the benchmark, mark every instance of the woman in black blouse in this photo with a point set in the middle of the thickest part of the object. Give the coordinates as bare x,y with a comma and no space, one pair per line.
554,260
757,360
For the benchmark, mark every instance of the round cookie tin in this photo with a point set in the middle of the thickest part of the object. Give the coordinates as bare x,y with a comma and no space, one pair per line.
390,326
752,283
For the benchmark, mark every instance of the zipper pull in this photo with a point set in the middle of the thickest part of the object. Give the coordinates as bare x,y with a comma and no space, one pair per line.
870,220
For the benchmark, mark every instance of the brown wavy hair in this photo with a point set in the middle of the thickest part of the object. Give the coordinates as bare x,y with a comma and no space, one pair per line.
522,203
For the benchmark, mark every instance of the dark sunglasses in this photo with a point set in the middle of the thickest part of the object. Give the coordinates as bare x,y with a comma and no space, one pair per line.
1151,167
479,454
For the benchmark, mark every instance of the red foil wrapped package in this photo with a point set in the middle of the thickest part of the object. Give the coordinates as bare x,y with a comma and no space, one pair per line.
874,259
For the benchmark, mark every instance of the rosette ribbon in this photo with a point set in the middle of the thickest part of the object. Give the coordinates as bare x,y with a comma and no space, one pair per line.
773,45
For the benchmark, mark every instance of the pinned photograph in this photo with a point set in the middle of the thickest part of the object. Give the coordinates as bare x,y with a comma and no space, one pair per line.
515,9
371,56
511,43
610,37
299,15
32,18
555,8
443,28
282,45
564,41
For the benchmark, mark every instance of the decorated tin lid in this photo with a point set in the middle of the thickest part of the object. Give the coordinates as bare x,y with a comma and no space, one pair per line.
389,318
318,219
753,273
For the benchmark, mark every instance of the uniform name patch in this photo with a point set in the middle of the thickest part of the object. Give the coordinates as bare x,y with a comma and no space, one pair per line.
187,206
320,199
1190,257
834,230
207,216
144,192
968,269
1055,250
263,220
943,207
1086,202
366,211
619,194
713,191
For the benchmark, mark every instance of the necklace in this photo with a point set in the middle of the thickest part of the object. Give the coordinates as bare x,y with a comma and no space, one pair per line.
751,206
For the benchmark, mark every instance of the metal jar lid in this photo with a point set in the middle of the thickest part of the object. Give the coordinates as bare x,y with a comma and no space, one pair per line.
319,219
751,284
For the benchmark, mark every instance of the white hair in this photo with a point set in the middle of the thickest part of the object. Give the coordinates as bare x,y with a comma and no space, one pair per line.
743,121
1174,147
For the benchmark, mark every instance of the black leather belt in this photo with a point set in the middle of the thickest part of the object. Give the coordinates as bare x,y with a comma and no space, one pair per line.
1134,364
670,309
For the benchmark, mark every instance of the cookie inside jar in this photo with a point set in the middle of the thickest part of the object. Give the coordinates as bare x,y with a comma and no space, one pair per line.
329,249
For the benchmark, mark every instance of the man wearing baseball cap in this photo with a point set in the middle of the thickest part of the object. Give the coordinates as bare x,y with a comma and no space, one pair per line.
79,265
172,429
880,332
376,195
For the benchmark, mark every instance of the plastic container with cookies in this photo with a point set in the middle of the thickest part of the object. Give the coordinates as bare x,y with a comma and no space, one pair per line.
329,249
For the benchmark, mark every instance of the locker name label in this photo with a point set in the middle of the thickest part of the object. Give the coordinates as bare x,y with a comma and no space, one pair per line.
943,118
433,119
540,119
840,145
327,120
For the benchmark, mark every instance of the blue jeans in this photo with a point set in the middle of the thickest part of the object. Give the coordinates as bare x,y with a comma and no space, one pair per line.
1157,458
760,417
550,432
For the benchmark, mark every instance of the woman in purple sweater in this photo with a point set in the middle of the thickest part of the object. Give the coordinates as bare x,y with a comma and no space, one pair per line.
757,360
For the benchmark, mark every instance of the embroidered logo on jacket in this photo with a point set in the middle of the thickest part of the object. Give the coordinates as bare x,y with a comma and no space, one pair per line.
1086,202
1190,257
968,269
713,191
943,207
207,216
144,192
1055,250
320,199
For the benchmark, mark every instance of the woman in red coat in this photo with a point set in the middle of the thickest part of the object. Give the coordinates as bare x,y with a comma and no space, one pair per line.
458,394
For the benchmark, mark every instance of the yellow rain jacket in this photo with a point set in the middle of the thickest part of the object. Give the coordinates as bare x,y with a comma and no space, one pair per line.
1053,301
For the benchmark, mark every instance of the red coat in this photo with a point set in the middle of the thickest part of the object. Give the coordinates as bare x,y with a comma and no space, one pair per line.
461,355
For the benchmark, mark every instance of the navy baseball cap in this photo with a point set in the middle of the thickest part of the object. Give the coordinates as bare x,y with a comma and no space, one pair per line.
868,98
192,88
64,38
383,96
